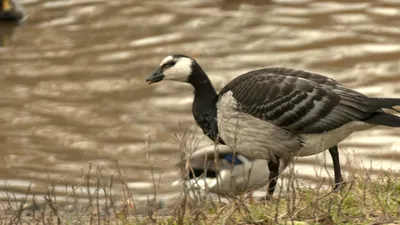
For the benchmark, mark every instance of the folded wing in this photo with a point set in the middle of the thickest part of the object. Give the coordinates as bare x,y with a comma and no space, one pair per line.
298,101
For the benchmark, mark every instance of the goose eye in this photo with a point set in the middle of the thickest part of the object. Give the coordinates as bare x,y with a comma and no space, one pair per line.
171,63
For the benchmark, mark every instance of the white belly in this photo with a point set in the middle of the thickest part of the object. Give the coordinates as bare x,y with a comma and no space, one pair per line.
316,143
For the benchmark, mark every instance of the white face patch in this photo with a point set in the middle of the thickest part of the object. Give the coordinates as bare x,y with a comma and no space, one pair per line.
180,71
166,59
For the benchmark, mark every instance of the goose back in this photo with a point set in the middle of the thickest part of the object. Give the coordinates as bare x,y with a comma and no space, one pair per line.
297,101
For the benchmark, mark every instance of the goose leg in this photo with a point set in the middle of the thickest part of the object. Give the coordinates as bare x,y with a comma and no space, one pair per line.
336,168
273,177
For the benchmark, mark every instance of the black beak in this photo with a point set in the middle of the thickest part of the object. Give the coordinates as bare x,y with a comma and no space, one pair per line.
155,76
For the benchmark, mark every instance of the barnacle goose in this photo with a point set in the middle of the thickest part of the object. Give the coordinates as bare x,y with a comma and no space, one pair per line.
226,173
11,10
277,113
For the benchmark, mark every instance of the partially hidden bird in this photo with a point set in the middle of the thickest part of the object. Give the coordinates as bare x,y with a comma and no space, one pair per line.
11,11
218,169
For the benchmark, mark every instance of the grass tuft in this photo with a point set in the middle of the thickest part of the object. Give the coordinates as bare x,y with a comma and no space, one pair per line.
104,198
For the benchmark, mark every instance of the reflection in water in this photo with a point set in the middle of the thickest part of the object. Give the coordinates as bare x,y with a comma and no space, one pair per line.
11,14
6,33
72,87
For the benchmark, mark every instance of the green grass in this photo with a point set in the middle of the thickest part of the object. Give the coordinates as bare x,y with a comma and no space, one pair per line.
365,199
362,201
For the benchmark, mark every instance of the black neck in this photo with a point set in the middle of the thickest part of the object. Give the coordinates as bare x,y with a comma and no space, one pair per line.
204,106
201,84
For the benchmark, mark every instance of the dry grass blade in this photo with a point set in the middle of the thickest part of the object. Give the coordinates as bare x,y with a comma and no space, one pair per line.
371,199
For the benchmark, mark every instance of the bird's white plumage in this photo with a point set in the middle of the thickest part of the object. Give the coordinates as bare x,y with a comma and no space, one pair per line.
180,71
166,59
232,179
257,138
251,136
316,143
241,178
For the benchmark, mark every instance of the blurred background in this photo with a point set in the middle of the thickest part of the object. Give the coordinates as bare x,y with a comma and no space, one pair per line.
72,89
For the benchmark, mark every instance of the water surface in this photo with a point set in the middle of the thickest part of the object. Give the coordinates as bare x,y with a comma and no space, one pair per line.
72,88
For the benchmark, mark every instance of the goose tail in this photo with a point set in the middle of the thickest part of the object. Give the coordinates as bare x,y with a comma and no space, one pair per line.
383,118
386,103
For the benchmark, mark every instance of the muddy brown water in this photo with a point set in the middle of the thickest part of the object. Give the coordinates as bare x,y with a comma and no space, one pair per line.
72,88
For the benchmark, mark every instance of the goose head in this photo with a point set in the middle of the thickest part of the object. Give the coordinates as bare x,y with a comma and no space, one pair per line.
180,68
11,10
173,67
235,174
